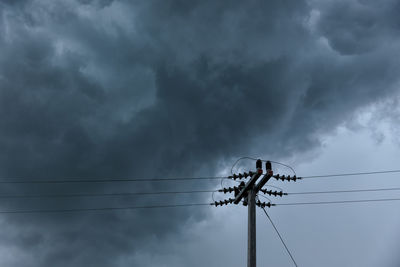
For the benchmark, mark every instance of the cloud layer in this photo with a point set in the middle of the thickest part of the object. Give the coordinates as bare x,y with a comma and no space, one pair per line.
100,89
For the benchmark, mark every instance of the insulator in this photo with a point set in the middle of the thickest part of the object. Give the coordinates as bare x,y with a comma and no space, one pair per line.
240,175
235,176
268,165
263,204
226,190
245,174
273,193
251,173
259,164
221,203
226,201
286,178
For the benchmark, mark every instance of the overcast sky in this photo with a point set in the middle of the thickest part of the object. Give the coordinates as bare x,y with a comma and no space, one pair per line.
100,89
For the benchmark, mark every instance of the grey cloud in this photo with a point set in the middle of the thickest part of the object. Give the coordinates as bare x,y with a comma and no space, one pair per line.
117,89
356,27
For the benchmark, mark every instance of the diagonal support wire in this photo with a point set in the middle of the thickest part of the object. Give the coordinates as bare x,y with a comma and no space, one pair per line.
280,237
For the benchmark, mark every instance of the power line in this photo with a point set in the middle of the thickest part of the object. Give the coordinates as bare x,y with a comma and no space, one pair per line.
349,174
101,209
106,194
125,194
25,181
109,180
178,205
337,202
344,191
280,237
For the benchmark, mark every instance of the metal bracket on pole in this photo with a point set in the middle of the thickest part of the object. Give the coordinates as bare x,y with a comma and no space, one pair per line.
249,185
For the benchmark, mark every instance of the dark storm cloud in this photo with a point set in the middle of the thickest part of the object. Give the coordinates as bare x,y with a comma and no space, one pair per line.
142,88
356,27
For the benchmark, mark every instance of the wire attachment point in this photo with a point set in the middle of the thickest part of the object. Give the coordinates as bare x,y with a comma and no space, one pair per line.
286,178
223,202
228,190
263,204
240,175
273,193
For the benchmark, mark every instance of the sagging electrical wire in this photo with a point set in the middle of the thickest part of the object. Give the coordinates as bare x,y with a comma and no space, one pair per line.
263,160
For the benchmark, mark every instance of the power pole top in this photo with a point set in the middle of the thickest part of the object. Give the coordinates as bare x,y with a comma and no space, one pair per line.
248,192
249,185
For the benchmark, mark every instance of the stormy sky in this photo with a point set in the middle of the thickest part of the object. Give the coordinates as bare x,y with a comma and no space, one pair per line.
103,89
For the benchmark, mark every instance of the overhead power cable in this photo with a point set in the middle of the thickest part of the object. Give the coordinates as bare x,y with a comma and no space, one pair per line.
349,174
280,237
177,206
126,194
338,202
100,209
345,191
109,180
55,181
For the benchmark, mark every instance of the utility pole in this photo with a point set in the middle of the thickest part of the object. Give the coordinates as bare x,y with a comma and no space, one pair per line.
247,193
251,229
